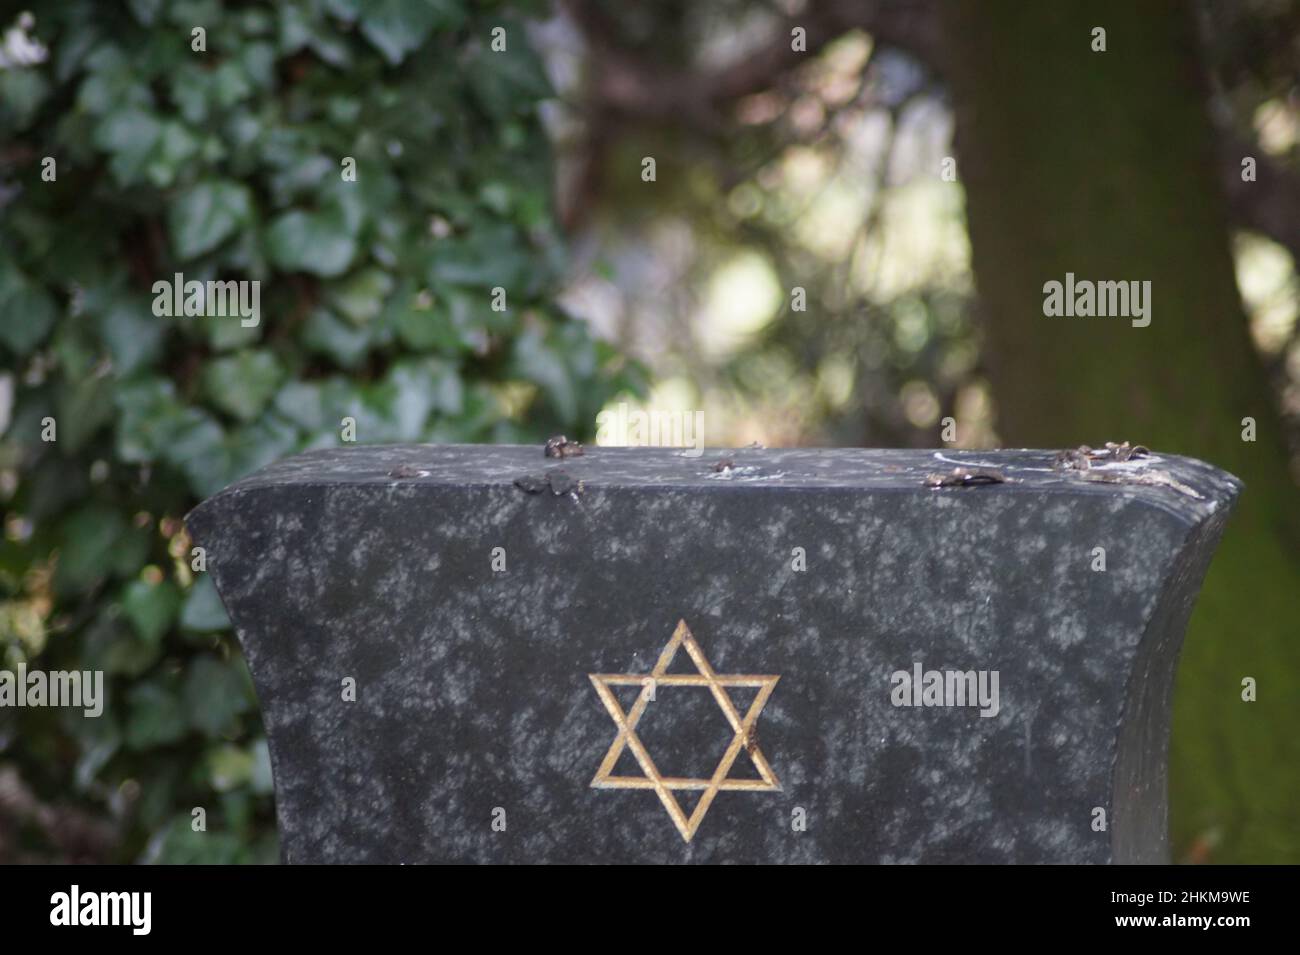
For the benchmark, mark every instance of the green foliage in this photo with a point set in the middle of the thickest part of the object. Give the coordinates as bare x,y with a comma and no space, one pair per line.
375,303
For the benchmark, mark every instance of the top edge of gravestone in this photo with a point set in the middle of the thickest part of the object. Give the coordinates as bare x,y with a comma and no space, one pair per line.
1183,485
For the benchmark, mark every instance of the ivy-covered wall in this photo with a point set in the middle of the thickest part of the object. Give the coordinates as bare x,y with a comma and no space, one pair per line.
380,171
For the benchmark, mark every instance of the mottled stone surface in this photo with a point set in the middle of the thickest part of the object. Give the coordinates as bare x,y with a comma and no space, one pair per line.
474,691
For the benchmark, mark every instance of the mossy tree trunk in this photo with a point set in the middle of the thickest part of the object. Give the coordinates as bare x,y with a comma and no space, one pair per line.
1100,164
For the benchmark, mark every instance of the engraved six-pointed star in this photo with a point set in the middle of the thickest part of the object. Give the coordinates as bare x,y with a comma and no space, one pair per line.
744,738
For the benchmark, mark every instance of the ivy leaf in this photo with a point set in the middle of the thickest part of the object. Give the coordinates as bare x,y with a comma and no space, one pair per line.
151,608
396,27
406,396
242,384
130,136
156,716
318,243
509,82
113,648
344,343
146,11
132,551
300,402
89,538
360,297
230,84
207,215
493,256
424,327
133,335
28,311
84,406
203,610
539,361
215,693
155,425
99,742
22,93
174,149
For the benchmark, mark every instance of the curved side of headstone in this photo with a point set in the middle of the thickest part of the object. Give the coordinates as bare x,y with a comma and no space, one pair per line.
1140,833
478,654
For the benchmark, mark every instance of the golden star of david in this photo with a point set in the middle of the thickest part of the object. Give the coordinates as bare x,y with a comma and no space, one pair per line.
664,785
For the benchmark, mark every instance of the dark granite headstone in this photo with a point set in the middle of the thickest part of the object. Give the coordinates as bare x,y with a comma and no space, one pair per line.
487,654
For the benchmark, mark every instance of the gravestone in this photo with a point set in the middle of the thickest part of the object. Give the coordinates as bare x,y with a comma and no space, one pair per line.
485,654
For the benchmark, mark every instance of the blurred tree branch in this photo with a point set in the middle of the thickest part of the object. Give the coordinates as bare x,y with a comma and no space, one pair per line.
626,84
639,86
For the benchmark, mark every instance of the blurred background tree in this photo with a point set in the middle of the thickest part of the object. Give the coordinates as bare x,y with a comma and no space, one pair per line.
842,152
835,180
376,305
